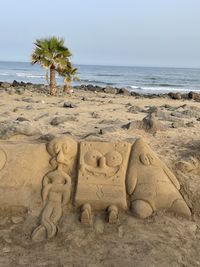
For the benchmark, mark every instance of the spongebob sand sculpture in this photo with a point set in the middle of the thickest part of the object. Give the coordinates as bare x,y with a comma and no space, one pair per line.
101,179
90,176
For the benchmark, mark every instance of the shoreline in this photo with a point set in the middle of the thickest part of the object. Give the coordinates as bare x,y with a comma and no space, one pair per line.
21,87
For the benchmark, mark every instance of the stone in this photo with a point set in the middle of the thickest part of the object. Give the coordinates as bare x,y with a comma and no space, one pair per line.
15,83
95,115
194,96
68,105
105,162
109,129
62,119
149,124
124,91
5,85
21,119
178,124
9,129
174,95
151,185
110,90
135,109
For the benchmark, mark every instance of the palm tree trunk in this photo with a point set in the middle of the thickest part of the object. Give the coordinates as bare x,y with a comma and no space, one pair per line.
53,89
67,87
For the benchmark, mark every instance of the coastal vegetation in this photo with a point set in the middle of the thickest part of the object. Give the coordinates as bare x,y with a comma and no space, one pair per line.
52,54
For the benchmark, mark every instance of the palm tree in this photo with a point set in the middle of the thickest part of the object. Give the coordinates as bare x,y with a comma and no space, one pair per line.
69,74
51,54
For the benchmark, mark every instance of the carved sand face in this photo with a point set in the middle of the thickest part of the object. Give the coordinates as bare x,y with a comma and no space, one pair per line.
62,150
105,165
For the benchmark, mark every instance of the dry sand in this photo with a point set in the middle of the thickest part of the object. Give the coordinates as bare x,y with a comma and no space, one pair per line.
162,240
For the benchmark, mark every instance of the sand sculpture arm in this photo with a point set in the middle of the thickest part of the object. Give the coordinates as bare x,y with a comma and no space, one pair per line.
67,190
131,180
171,176
46,186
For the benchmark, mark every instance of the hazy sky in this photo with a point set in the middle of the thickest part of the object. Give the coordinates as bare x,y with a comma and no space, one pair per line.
113,32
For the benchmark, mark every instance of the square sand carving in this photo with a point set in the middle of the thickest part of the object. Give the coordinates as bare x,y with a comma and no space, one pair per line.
102,173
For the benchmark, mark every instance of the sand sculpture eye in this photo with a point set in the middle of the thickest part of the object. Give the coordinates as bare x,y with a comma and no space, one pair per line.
144,159
56,148
92,157
65,148
113,159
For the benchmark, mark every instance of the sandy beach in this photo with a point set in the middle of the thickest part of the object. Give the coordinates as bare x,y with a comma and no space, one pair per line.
162,240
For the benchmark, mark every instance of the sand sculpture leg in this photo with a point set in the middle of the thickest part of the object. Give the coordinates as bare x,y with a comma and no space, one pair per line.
180,207
86,214
50,217
141,209
113,214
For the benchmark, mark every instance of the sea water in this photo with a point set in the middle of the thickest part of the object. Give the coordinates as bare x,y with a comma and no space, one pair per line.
139,79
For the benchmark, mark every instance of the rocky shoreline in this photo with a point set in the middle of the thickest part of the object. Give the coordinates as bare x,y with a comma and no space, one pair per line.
21,87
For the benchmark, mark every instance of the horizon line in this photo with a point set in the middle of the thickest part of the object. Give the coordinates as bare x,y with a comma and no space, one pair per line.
110,65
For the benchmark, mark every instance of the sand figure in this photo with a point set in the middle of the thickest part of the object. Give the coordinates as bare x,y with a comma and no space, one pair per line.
56,187
101,179
151,185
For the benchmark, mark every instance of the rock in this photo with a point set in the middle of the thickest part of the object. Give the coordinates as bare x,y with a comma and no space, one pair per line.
5,85
132,125
15,83
190,124
124,91
47,137
29,107
110,90
149,124
58,120
28,100
68,105
21,119
135,109
152,125
11,91
109,129
17,219
174,95
20,91
95,115
194,96
9,129
178,124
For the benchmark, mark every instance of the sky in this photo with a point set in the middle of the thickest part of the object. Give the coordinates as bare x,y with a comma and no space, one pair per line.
106,32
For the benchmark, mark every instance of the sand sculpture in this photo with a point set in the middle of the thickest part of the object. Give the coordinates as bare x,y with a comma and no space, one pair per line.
56,186
101,179
151,185
90,176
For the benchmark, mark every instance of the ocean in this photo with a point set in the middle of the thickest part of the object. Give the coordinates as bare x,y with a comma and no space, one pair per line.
140,79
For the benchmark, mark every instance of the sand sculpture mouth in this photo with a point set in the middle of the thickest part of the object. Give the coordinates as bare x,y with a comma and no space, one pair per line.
89,175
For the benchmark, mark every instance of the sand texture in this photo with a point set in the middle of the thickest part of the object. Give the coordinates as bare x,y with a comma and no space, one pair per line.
170,127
